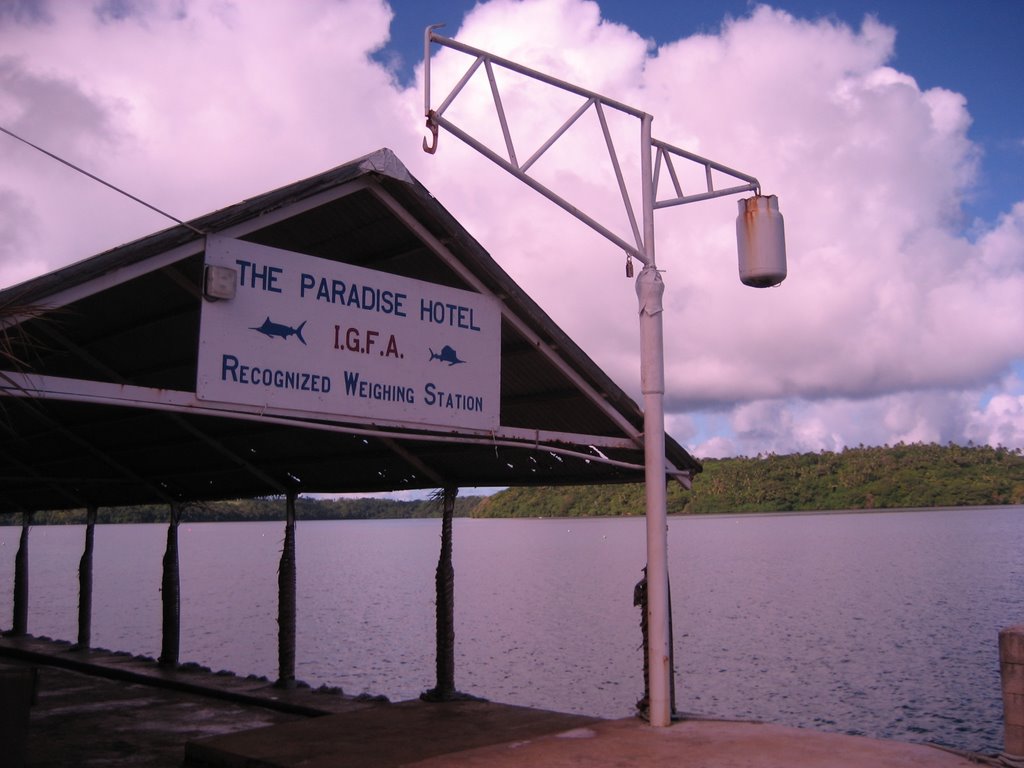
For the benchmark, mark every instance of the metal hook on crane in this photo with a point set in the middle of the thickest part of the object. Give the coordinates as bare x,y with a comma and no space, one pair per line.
431,148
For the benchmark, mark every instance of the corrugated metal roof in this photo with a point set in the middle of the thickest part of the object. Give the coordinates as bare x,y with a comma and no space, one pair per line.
127,321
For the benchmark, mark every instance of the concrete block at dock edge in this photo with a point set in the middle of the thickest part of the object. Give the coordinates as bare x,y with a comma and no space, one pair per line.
1011,644
1012,676
1011,670
1013,740
1011,659
1013,708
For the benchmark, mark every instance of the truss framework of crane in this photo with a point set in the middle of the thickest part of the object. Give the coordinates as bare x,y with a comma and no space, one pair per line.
665,155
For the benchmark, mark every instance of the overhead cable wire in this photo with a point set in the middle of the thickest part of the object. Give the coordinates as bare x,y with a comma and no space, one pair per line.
101,181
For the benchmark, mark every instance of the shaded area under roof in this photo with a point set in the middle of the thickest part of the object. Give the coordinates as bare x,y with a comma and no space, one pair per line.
99,407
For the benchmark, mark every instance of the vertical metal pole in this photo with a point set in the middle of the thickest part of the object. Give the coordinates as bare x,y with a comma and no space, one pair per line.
171,594
650,289
20,619
85,581
286,600
426,67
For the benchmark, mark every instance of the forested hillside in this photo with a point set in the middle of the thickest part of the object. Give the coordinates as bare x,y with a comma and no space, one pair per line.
856,478
245,510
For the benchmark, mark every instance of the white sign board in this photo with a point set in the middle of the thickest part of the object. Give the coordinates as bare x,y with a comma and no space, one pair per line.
309,334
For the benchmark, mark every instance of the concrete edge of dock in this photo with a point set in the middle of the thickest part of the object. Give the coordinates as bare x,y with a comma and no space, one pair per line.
341,731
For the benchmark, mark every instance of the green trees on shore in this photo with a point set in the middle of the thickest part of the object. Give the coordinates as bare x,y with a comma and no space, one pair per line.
857,478
254,510
886,477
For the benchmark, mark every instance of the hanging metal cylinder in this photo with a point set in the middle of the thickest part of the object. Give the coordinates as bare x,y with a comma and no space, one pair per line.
761,241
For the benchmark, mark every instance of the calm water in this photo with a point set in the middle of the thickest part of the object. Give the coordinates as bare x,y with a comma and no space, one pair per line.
880,624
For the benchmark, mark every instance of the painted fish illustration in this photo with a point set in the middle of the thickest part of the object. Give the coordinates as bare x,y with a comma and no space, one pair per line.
271,329
446,355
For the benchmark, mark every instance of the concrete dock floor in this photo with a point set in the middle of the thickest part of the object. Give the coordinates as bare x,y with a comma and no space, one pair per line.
95,708
443,736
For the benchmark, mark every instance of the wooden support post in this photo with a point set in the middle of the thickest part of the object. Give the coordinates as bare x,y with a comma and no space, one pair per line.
170,594
444,581
20,619
286,600
85,582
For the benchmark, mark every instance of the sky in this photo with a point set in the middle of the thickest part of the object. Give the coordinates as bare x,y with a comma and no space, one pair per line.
893,135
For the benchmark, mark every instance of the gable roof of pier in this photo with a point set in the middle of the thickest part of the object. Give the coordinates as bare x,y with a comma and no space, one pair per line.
100,408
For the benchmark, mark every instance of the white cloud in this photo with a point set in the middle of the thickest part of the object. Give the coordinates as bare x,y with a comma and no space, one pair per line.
188,105
888,302
892,319
1001,422
830,424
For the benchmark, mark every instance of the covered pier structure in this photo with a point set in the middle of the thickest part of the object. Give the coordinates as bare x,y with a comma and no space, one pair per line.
118,380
